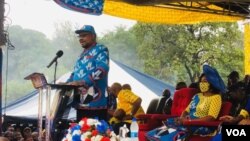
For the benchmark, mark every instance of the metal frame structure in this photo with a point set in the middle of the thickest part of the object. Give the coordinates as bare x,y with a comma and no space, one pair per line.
239,8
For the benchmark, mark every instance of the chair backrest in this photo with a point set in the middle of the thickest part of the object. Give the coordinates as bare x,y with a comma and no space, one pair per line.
152,106
181,100
225,108
157,105
163,101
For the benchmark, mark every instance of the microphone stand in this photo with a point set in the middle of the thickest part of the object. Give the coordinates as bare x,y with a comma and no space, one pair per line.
55,71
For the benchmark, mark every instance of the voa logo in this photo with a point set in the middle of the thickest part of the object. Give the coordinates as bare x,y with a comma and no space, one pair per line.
236,132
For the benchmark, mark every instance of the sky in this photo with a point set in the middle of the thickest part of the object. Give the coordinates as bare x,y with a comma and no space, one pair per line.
42,15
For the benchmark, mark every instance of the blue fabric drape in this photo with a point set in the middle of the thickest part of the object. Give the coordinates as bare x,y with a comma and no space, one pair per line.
94,7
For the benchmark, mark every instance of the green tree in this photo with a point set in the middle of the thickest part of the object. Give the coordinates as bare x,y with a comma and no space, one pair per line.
122,46
30,54
65,39
177,52
169,52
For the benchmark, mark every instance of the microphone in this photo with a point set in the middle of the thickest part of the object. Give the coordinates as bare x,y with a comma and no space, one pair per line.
58,55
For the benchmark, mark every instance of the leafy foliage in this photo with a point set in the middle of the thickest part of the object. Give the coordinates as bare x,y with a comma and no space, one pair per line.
32,53
177,52
122,46
27,57
171,53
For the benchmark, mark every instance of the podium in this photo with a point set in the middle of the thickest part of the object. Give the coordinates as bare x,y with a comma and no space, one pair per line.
39,82
59,105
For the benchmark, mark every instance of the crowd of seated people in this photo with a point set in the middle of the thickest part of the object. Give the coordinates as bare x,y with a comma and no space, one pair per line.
204,107
239,95
241,104
13,133
129,105
124,104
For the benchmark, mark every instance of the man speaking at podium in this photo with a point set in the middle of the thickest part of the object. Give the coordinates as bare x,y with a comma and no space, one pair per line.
91,73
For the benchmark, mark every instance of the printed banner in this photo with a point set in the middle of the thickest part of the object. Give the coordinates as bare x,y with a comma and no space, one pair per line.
93,7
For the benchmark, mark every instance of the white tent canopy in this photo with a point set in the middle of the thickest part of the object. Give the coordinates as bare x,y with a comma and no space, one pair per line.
143,85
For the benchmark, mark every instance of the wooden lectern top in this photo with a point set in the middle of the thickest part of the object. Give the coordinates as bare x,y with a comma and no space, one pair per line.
62,86
38,79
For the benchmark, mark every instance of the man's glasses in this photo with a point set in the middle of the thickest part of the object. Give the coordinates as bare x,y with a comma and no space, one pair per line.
83,35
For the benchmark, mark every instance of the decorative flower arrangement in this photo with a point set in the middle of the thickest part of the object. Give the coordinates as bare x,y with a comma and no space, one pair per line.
90,130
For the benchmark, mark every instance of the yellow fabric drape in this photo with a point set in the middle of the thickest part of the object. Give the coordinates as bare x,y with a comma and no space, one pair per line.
162,15
247,48
165,15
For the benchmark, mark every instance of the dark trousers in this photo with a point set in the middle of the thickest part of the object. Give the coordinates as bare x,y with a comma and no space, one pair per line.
101,114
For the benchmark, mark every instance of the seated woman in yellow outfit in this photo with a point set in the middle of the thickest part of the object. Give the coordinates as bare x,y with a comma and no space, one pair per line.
205,106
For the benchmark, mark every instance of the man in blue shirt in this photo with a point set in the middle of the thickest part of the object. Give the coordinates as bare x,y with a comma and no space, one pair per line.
91,73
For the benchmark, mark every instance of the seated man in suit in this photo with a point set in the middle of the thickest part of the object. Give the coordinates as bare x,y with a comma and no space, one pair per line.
82,98
85,97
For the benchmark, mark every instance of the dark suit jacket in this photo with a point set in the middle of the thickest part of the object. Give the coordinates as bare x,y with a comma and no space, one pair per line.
88,99
76,100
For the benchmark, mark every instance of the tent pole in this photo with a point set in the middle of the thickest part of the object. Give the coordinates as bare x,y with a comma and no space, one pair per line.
247,47
2,43
1,62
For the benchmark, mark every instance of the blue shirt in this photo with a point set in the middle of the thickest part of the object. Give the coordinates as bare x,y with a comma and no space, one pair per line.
92,68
